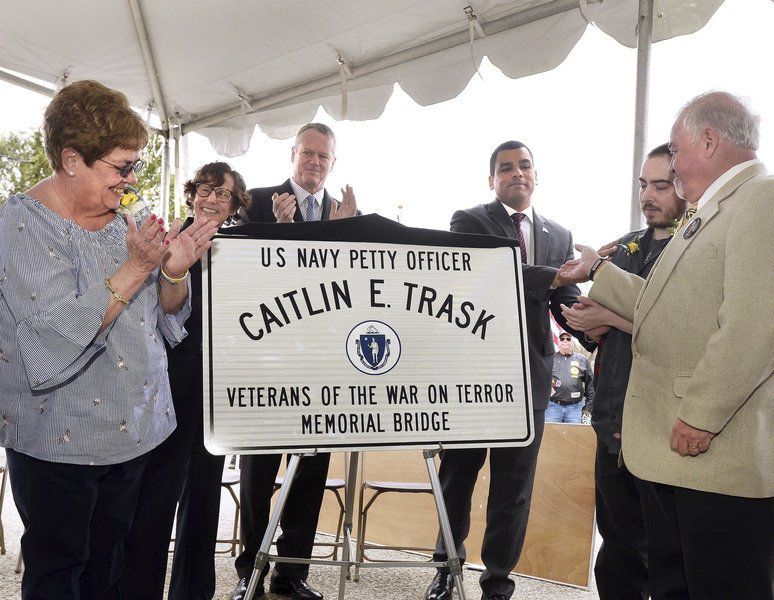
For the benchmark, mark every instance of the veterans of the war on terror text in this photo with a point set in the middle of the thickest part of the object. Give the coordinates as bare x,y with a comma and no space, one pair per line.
361,395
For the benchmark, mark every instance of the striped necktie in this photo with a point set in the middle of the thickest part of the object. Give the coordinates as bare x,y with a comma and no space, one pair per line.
311,209
517,219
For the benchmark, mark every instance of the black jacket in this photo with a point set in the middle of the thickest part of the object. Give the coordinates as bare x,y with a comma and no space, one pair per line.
260,210
614,357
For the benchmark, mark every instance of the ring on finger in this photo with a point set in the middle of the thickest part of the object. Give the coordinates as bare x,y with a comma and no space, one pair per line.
146,240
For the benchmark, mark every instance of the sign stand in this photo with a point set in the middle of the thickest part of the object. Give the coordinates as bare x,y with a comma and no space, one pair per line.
263,552
346,562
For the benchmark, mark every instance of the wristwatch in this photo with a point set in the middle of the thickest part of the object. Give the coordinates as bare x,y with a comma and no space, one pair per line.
595,266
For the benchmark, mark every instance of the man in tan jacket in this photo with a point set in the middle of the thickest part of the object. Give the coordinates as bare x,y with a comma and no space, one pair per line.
698,424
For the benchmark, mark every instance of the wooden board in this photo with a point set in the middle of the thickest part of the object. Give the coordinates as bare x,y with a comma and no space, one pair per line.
560,533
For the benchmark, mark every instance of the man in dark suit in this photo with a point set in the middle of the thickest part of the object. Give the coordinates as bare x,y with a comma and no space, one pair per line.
545,244
303,197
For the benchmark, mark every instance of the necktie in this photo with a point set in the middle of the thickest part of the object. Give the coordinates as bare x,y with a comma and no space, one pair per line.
311,209
517,219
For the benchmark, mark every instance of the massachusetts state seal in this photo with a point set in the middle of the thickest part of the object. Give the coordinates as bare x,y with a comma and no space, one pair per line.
373,347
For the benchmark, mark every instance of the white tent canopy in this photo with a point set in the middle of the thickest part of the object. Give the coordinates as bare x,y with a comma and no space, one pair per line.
221,68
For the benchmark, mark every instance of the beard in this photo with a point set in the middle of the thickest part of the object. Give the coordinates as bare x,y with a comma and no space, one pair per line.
663,218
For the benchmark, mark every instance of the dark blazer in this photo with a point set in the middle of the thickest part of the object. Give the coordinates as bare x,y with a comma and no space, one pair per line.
553,247
260,210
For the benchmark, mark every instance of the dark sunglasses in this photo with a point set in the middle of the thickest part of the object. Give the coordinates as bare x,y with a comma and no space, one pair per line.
124,170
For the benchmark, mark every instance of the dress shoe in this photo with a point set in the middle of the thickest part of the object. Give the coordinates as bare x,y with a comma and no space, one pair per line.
295,587
441,587
240,591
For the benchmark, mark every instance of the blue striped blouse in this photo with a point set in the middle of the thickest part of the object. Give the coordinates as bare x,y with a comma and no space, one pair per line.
68,393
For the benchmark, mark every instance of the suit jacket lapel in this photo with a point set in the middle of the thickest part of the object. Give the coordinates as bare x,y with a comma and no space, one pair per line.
540,238
499,215
326,206
677,246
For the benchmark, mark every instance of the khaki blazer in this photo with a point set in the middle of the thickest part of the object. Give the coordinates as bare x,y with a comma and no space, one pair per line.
703,345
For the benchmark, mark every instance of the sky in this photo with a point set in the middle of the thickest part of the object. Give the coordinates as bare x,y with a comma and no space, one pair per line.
423,163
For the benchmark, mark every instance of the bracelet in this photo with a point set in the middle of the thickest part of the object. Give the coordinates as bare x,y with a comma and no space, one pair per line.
594,267
173,280
114,293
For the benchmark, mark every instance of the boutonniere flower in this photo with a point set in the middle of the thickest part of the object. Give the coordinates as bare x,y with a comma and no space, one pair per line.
131,202
631,248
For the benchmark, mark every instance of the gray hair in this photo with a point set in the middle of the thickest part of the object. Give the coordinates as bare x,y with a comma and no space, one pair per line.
725,112
319,128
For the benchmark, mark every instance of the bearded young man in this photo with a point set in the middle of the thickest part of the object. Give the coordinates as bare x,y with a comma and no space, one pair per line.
621,569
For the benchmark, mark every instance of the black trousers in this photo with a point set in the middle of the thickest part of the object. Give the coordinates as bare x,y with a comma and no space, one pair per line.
512,475
621,568
75,518
299,519
193,564
706,546
179,469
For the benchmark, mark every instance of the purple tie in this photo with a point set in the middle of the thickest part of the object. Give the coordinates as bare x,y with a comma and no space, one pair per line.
517,219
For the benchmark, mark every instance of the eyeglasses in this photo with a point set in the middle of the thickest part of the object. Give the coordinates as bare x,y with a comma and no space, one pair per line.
203,190
565,339
124,170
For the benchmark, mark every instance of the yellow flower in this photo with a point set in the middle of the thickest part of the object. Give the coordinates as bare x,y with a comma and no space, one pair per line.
131,203
128,199
630,248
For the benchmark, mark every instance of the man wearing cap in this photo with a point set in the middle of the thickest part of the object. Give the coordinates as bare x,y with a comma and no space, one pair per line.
572,391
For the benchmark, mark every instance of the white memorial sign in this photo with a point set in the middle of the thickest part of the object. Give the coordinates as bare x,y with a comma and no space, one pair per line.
359,345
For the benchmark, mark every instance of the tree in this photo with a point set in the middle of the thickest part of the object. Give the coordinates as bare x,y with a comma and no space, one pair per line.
23,163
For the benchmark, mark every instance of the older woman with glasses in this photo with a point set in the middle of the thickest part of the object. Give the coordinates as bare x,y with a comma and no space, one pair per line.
88,298
181,468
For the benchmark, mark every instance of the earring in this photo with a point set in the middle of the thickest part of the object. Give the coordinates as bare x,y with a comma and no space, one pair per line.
71,174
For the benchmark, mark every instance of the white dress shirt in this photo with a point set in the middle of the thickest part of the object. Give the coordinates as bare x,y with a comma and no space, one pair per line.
723,180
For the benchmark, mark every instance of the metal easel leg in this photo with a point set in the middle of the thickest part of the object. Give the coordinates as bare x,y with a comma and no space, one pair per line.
263,553
455,568
349,504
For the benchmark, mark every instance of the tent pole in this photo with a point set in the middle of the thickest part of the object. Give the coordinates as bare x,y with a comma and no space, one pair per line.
26,84
165,176
644,41
150,62
176,190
